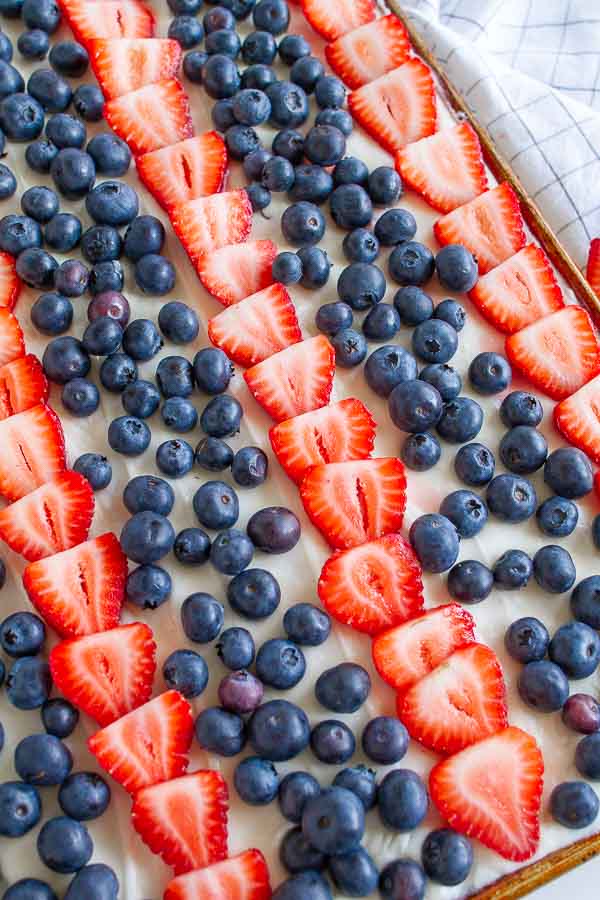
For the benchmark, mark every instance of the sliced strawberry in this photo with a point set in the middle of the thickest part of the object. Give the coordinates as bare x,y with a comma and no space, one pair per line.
22,385
242,877
149,745
109,19
578,418
125,65
10,283
593,266
294,381
106,675
491,226
335,433
558,354
355,502
233,273
54,517
12,342
446,169
461,701
185,820
209,223
33,450
492,791
397,108
407,653
80,591
374,586
332,20
518,291
184,171
257,327
372,50
152,117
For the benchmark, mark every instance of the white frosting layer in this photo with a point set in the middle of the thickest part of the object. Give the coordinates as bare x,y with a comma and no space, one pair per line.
142,875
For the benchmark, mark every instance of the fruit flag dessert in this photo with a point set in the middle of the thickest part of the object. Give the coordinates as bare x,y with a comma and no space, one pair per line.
298,433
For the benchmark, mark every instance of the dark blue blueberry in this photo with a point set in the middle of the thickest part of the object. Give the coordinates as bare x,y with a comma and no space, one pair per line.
249,467
241,140
44,14
474,464
444,378
185,671
213,454
402,799
434,341
220,77
298,855
256,781
110,154
88,102
527,639
175,376
280,664
411,263
51,90
304,885
490,373
39,155
523,450
64,845
402,879
513,570
334,822
274,529
18,233
259,196
231,552
461,420
71,278
278,730
184,7
467,512
29,889
575,647
278,174
251,107
293,47
568,473
220,731
63,232
254,594
141,340
381,323
336,118
22,634
222,115
457,268
96,468
80,397
258,76
287,268
148,587
74,172
65,358
179,414
52,314
43,760
178,321
311,183
350,347
306,72
553,569
59,717
330,92
11,9
212,371
447,856
202,618
511,498
36,268
235,648
333,317
295,790
28,682
174,458
33,43
253,164
414,306
224,41
241,9
397,226
303,224
221,416
241,692
193,65
271,15
421,452
65,131
557,517
521,408
361,245
543,685
451,312
69,58
343,688
361,781
596,531
385,188
324,145
20,808
290,144
306,624
260,48
186,30
6,47
350,207
192,547
385,740
581,713
585,601
11,83
217,18
470,581
216,505
95,882
389,366
112,203
435,541
117,371
154,274
414,406
146,537
361,285
140,399
574,804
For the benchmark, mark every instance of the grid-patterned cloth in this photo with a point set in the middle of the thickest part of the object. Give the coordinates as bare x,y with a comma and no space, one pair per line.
530,70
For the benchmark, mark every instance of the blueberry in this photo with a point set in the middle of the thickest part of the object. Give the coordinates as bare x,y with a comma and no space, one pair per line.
312,184
289,103
193,65
553,569
402,799
444,378
220,731
467,512
254,163
110,154
350,170
474,464
65,358
452,313
88,102
306,72
71,278
557,517
220,77
259,196
141,340
521,408
274,529
256,781
52,314
241,140
216,505
217,18
513,570
361,245
596,532
343,688
277,174
40,153
223,41
581,713
241,692
43,760
414,406
271,15
402,879
140,399
44,14
298,855
511,498
350,348
69,58
36,268
334,317
179,415
177,321
254,594
231,552
259,49
64,845
186,30
575,647
336,118
354,873
12,84
18,233
446,856
148,587
303,224
470,581
280,664
293,47
6,47
146,537
385,186
74,173
185,7
40,203
523,450
241,9
175,376
568,473
295,790
11,9
258,75
212,372
20,808
490,373
278,730
411,263
350,207
154,274
543,685
63,232
457,268
95,882
289,143
29,889
389,366
585,601
435,540
65,131
28,683
574,804
251,107
249,467
461,420
381,323
527,640
51,90
396,226
236,648
414,306
148,493
434,341
202,618
117,371
361,285
59,717
421,452
80,397
324,145
213,454
334,822
174,458
385,740
185,671
221,417
287,268
302,886
192,547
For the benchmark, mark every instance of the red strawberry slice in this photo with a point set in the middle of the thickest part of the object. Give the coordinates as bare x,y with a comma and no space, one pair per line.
152,117
33,450
257,327
335,433
372,50
242,877
184,171
446,169
22,385
149,745
461,701
209,223
125,65
110,19
80,591
332,20
185,820
10,283
558,354
106,675
593,266
374,586
12,342
397,108
357,501
492,791
233,273
405,654
294,381
518,291
54,517
578,418
491,226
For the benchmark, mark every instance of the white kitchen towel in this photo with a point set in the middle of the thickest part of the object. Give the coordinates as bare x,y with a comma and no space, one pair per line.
530,71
